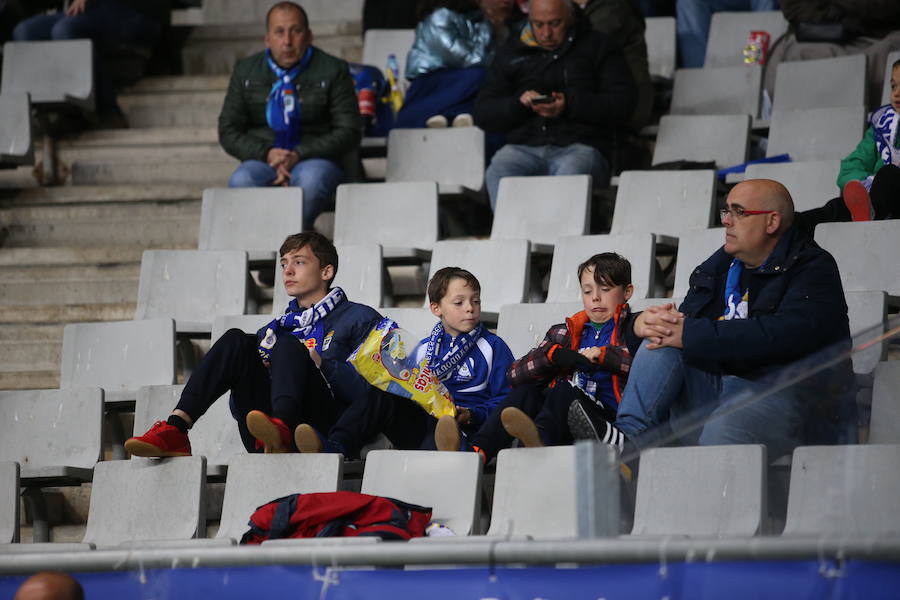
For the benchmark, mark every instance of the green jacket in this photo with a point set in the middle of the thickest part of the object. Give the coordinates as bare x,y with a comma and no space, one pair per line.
862,162
330,123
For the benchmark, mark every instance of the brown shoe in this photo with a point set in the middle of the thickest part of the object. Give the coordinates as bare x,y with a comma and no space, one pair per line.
520,426
307,439
446,434
270,433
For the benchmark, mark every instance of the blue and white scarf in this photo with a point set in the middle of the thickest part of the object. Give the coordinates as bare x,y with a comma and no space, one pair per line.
884,124
300,323
444,365
736,302
283,109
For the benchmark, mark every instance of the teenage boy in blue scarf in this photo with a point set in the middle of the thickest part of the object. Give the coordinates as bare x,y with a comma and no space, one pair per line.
294,370
469,360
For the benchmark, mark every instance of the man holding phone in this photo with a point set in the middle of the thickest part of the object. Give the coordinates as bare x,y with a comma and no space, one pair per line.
560,92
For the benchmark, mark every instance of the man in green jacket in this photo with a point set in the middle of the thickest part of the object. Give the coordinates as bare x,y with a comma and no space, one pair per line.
290,113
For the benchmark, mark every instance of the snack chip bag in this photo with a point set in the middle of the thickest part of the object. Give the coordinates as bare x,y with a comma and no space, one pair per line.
387,360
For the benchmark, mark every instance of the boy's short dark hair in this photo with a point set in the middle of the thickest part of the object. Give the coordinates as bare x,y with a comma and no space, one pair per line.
321,247
896,64
609,269
437,287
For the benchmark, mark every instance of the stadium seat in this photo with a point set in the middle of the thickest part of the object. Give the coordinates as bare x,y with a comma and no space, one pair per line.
717,91
844,490
448,482
378,44
807,84
868,312
692,251
811,183
360,274
816,133
255,479
502,268
866,253
528,481
884,426
660,37
453,157
135,501
712,491
418,321
9,502
671,203
638,248
119,357
246,323
886,93
16,146
57,73
192,286
522,326
402,217
728,33
525,205
214,435
256,220
724,139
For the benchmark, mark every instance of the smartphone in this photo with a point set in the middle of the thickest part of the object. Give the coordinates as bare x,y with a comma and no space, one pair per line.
543,99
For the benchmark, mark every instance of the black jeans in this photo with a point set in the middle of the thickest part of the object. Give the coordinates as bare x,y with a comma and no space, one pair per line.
291,389
491,437
885,196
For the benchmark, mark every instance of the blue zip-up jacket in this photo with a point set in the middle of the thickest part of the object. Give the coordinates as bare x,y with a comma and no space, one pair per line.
479,382
336,336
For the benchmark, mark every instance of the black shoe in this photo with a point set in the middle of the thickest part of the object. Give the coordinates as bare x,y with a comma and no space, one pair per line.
582,427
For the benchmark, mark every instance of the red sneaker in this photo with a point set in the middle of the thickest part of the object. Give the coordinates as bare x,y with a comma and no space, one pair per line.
270,433
856,197
160,440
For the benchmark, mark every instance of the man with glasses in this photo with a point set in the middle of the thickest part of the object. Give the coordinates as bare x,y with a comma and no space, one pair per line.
768,298
560,93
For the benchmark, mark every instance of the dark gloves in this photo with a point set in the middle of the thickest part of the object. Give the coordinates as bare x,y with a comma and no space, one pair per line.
615,359
567,359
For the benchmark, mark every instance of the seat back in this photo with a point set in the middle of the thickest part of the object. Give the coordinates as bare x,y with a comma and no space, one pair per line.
378,44
844,490
9,502
402,214
451,157
884,427
570,252
660,38
865,253
246,323
686,198
810,183
448,482
717,91
886,90
144,500
522,326
501,266
804,84
255,479
255,220
525,205
816,133
119,356
724,139
692,251
728,33
192,286
360,274
867,312
711,491
16,146
418,321
54,73
52,428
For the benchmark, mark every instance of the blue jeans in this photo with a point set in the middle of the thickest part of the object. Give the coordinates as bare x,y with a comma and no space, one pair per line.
665,395
318,177
518,160
692,18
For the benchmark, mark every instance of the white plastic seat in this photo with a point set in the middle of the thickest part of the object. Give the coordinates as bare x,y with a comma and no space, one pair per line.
255,220
692,251
660,37
55,73
525,205
246,323
9,502
866,253
884,425
886,91
119,357
867,311
401,216
502,268
641,304
717,91
811,183
522,326
378,44
804,84
16,146
418,321
728,33
709,491
448,482
816,133
844,490
724,139
453,157
638,248
192,286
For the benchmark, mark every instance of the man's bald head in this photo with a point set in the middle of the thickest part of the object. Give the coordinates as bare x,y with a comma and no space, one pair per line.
50,586
773,196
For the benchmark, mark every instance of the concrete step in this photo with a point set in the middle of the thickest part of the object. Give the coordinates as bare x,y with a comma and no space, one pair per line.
138,212
254,11
63,275
187,153
153,233
157,136
42,293
80,255
30,355
85,194
208,173
181,83
176,109
29,380
217,56
68,313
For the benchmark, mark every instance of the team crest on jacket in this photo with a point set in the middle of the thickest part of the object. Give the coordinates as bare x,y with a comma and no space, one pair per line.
327,341
464,373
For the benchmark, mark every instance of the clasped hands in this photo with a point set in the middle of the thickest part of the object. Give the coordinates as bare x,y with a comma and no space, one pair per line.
282,161
662,326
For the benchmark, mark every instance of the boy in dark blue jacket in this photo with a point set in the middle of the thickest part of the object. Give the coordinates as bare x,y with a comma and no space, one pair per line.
467,358
292,371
